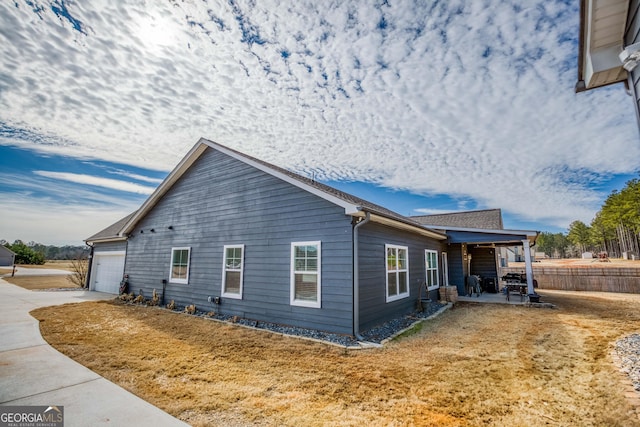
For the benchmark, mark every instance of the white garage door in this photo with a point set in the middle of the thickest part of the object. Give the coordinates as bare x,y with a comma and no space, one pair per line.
108,268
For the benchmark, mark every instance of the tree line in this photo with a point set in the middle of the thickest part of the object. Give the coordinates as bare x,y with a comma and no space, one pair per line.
615,229
37,253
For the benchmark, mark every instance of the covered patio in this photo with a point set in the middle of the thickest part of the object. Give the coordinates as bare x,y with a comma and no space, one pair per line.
476,241
476,252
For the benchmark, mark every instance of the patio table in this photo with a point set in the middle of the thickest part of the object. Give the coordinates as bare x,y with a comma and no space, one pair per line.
520,288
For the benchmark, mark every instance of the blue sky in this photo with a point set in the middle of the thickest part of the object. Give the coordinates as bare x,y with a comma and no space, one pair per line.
421,107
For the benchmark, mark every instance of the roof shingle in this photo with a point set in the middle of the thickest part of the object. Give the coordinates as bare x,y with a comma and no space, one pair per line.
112,231
489,219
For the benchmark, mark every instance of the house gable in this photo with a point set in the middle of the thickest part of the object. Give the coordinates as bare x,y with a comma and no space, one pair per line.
199,149
351,205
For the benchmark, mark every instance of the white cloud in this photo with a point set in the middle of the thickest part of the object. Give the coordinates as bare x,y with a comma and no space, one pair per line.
138,177
65,213
98,181
471,99
63,223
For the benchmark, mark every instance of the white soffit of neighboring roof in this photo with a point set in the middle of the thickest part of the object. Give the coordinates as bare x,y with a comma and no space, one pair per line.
604,27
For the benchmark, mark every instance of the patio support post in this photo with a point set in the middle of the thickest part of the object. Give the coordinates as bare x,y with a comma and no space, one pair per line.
527,265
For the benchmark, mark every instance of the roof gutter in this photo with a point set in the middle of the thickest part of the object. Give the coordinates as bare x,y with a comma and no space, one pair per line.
356,276
90,241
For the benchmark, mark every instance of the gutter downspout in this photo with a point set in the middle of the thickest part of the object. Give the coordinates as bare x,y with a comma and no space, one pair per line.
356,277
90,261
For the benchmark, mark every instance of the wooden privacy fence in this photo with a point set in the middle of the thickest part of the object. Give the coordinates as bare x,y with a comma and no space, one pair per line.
608,279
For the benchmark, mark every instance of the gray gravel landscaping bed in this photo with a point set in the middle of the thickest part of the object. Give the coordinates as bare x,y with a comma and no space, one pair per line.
373,335
628,351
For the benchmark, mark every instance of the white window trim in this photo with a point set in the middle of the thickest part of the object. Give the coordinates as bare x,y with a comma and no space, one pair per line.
427,252
224,293
185,280
292,293
398,296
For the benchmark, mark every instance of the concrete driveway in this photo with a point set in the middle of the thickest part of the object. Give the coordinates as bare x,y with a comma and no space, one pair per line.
34,373
26,271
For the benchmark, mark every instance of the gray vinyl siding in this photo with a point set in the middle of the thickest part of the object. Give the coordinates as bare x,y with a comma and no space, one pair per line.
632,33
632,36
222,201
110,246
456,266
372,261
483,262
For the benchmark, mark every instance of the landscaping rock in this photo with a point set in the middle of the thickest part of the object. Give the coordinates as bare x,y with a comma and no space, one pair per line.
374,335
628,352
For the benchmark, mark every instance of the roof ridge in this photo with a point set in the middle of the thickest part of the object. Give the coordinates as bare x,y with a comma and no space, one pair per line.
353,204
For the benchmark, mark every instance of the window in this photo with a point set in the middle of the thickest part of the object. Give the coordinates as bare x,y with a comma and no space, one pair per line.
232,269
397,272
305,274
431,267
179,265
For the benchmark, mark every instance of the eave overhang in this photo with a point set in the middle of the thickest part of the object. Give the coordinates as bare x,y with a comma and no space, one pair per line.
602,29
106,240
408,225
486,236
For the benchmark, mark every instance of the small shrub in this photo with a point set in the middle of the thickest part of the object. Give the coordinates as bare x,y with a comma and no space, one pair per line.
155,299
139,299
80,269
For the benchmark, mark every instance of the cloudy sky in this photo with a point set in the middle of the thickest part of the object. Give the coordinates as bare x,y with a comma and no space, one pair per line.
422,107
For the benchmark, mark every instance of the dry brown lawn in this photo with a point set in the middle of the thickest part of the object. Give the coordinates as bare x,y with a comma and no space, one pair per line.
41,282
473,365
58,265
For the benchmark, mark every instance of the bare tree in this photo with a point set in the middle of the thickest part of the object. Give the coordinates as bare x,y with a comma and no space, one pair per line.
79,268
